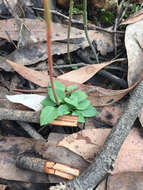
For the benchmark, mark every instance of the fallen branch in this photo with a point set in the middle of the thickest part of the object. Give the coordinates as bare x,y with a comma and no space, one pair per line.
104,161
34,117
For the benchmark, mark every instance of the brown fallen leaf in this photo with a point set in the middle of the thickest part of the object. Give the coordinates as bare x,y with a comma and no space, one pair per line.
123,181
85,73
107,115
10,25
3,187
88,143
97,95
102,97
104,40
134,44
40,78
134,18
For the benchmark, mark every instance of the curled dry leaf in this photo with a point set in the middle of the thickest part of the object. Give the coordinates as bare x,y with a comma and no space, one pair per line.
39,78
138,16
134,47
97,95
85,73
88,143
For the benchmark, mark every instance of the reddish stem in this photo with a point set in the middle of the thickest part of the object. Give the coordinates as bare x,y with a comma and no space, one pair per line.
49,49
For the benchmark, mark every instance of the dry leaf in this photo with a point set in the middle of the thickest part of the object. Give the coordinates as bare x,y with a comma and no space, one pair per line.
138,16
134,47
83,74
103,40
39,78
88,143
2,187
35,53
123,181
97,95
10,25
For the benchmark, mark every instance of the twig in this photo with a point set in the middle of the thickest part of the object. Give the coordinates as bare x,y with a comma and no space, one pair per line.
34,117
74,21
86,31
113,78
30,130
115,36
120,14
49,167
69,30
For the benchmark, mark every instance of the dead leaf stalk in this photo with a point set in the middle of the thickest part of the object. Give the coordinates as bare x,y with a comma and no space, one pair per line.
49,49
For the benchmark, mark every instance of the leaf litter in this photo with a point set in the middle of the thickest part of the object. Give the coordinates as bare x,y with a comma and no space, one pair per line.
99,96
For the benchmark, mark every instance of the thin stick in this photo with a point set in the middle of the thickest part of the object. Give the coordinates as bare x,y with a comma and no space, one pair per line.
74,21
86,31
49,50
30,130
69,29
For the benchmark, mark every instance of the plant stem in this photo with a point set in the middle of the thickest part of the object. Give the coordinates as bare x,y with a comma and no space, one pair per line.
86,31
49,49
69,29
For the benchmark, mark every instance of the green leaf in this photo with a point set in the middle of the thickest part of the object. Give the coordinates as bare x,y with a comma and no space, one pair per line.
80,116
58,85
63,110
47,102
60,95
73,102
89,112
60,91
48,114
83,105
79,94
69,88
74,67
